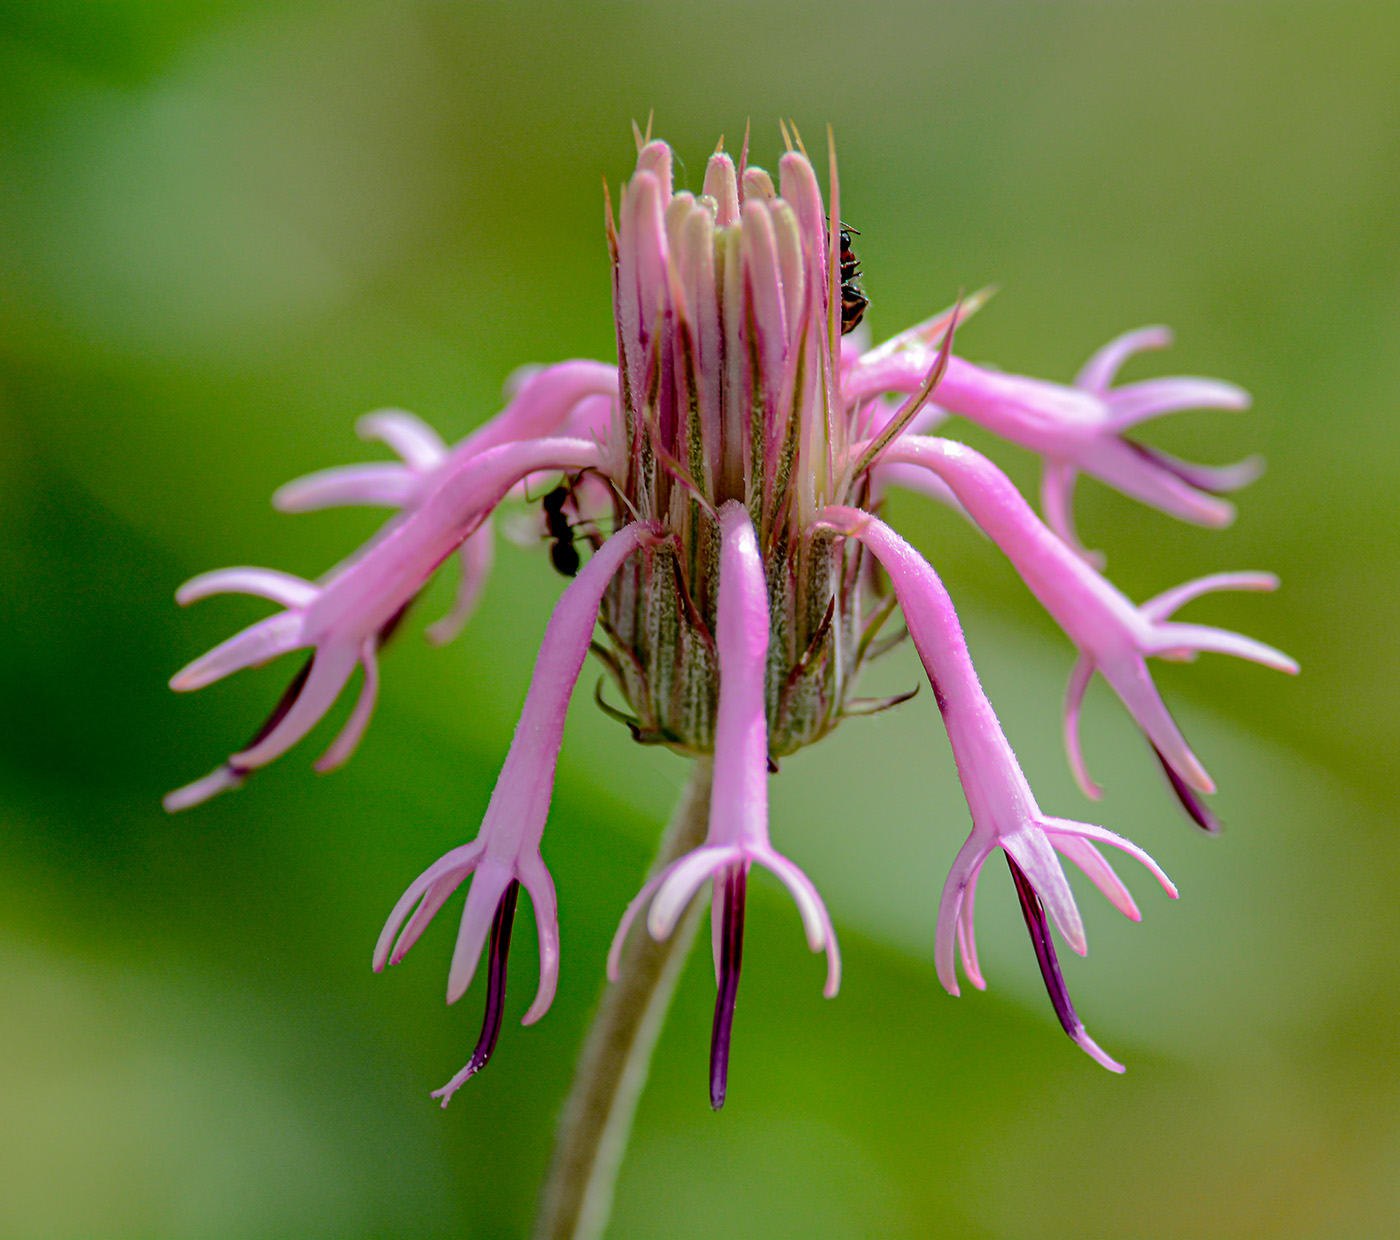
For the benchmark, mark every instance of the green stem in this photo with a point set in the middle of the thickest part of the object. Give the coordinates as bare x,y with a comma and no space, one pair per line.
597,1115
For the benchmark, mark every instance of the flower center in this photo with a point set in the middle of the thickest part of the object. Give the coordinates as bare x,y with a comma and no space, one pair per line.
728,326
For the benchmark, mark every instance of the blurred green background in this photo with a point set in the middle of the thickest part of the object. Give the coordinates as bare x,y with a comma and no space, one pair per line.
227,230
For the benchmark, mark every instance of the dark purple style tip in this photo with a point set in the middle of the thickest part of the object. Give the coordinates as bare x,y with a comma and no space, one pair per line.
731,952
495,982
1034,913
1196,809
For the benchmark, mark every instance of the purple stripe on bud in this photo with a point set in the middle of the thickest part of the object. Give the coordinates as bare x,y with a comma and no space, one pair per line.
731,953
495,983
1196,809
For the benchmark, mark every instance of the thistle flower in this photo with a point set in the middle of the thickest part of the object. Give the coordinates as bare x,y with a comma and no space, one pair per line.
739,450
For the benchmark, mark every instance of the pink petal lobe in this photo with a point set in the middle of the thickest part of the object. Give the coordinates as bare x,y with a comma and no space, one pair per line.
374,486
1101,369
1060,827
221,779
634,906
475,558
290,591
414,440
1153,478
960,882
739,802
453,866
1092,862
330,669
253,646
344,745
1036,857
967,935
1163,606
1172,636
1079,678
1057,503
483,897
821,935
1138,402
536,879
1131,681
680,884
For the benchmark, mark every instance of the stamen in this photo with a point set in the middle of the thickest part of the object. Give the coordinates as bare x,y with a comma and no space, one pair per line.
1211,480
391,625
495,979
1196,809
279,712
1039,928
730,957
495,994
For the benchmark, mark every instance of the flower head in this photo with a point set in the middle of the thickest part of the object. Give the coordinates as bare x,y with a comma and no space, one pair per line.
739,450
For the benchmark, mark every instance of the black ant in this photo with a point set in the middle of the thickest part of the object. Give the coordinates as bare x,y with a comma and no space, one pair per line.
562,552
853,298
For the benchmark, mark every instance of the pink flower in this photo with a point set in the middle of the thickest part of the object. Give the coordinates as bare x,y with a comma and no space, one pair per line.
1004,810
1079,429
738,831
506,852
1113,637
344,619
739,449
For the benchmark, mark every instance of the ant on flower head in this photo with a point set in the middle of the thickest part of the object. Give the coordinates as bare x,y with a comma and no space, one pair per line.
853,298
562,552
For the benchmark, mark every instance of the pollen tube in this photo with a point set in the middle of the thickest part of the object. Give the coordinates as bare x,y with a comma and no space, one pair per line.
731,954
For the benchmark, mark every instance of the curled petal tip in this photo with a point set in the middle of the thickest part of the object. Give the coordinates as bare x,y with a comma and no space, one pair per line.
442,632
535,878
833,970
543,1002
1101,369
267,583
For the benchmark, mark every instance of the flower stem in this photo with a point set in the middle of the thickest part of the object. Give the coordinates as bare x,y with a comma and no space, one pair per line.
597,1115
